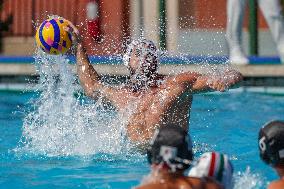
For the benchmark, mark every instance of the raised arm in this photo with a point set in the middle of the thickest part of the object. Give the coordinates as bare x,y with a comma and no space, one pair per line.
88,76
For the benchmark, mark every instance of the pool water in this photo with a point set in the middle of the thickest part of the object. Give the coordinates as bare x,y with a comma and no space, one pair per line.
226,122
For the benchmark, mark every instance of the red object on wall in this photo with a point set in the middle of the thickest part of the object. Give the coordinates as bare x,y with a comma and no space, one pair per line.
93,18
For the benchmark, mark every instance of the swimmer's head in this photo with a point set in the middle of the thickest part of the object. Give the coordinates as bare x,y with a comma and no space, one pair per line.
171,146
216,166
141,57
271,143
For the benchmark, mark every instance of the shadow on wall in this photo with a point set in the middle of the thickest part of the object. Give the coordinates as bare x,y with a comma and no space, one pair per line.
4,25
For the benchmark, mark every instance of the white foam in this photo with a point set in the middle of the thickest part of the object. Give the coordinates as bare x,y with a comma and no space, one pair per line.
248,180
61,124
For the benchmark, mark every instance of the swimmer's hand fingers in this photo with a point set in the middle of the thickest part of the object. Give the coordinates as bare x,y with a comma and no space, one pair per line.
73,30
218,85
233,76
224,82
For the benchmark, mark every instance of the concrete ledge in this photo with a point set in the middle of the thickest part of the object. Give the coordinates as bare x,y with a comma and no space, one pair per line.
104,69
17,69
268,90
18,46
262,70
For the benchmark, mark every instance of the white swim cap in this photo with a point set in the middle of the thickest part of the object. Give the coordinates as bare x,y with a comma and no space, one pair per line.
147,50
214,165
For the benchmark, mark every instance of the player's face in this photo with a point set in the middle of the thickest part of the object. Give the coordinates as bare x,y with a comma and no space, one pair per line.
135,59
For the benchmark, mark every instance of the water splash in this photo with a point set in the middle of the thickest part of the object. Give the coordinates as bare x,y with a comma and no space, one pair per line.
61,124
249,180
201,147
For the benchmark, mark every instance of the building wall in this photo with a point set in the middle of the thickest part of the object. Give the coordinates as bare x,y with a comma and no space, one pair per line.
202,29
208,14
113,14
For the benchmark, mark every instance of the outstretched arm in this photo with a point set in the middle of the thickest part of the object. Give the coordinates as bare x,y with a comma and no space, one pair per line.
217,83
196,82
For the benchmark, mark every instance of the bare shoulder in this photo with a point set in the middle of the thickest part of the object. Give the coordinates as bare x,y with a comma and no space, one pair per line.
180,80
166,186
195,182
200,183
180,183
182,77
95,88
117,95
152,186
276,185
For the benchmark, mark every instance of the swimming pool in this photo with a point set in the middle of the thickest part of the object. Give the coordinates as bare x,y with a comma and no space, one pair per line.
227,122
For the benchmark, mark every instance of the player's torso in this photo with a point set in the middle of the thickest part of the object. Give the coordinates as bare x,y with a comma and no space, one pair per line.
155,107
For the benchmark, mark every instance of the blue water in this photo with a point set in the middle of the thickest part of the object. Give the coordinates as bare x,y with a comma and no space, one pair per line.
227,122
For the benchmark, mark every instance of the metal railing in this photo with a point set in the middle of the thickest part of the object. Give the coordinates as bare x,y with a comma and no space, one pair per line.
253,28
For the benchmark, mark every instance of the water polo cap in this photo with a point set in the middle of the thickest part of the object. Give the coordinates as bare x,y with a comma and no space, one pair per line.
271,143
147,53
171,145
214,165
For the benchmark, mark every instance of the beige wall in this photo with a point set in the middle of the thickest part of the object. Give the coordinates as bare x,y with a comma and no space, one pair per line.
172,24
151,25
151,21
134,19
20,46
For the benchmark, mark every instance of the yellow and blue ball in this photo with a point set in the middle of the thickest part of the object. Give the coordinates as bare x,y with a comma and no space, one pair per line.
52,38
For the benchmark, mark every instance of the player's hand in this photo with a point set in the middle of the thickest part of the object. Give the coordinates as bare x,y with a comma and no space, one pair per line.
218,84
224,82
73,30
232,77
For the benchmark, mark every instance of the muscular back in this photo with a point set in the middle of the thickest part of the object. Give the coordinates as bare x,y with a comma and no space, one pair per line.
167,103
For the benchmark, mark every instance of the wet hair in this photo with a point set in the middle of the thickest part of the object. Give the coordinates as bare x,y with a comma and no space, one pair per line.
147,53
171,145
271,143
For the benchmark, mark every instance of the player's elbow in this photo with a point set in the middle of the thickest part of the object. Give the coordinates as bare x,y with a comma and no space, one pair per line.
89,91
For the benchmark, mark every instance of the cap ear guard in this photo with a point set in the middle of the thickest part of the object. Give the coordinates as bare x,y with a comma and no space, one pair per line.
267,154
151,160
176,153
168,153
262,145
